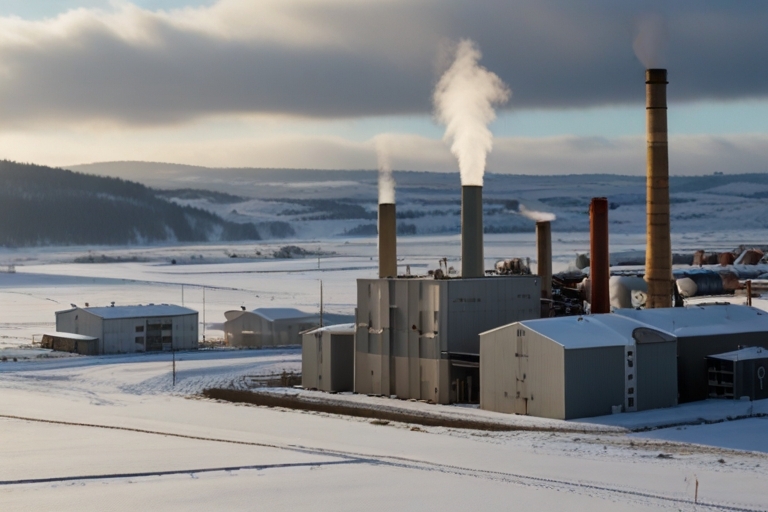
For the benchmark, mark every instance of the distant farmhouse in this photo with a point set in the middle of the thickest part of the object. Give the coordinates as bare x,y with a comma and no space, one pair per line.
127,329
270,327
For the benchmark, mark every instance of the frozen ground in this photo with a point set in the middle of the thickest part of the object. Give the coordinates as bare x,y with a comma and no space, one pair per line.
112,432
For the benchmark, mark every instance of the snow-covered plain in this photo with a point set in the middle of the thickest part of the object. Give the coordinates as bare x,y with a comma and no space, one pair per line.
112,432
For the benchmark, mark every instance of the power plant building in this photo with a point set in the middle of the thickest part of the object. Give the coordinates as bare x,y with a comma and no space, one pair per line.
327,358
576,367
418,338
128,329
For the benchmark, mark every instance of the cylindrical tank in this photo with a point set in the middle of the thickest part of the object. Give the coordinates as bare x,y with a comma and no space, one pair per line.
387,240
472,264
658,259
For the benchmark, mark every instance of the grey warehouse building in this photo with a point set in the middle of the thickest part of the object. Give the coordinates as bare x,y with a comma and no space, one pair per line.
327,358
270,327
418,338
576,367
128,329
703,331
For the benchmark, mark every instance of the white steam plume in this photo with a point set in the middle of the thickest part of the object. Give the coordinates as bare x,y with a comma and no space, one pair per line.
537,216
464,99
650,40
386,178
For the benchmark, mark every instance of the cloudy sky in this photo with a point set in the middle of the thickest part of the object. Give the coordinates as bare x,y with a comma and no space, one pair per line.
311,83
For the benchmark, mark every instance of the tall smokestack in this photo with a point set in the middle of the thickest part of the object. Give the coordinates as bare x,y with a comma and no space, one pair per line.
658,256
472,262
387,240
544,257
387,214
599,257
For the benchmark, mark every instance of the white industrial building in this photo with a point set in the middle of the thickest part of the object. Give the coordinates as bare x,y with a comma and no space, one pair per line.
327,358
575,367
127,329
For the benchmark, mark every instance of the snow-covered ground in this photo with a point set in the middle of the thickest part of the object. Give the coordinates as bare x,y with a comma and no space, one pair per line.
113,432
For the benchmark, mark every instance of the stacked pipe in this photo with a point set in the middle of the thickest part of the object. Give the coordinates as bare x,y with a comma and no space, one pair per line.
472,264
544,257
658,258
599,257
387,240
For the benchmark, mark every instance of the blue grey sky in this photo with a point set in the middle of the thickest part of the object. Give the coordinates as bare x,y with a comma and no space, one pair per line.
312,83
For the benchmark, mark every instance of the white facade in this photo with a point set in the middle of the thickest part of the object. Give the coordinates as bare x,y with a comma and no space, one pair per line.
328,358
129,329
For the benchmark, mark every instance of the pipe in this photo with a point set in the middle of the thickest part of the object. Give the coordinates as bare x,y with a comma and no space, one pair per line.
599,258
387,240
658,258
544,257
472,264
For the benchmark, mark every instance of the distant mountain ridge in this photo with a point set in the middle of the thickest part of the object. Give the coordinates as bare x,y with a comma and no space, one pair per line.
46,206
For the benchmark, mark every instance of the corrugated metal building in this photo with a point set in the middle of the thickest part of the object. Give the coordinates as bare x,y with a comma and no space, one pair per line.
127,329
328,358
737,374
576,367
419,337
270,327
70,342
702,331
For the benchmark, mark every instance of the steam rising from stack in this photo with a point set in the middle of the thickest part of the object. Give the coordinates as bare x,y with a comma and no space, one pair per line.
464,99
387,214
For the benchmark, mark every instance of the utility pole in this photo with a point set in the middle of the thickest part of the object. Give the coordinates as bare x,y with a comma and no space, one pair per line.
321,303
203,314
182,295
173,355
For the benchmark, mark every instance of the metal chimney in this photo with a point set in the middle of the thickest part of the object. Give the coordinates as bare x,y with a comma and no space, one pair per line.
658,254
544,257
599,257
472,264
387,240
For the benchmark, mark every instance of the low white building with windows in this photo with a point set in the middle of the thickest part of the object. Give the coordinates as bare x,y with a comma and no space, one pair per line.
128,329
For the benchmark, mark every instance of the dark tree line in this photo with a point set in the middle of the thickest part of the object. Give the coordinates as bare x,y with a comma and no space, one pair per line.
46,206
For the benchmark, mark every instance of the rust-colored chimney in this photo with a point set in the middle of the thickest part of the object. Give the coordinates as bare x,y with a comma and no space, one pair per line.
472,264
544,256
658,251
387,240
599,257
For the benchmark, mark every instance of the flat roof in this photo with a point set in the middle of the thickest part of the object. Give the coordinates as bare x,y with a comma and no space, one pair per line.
589,331
70,336
743,354
702,320
139,311
338,328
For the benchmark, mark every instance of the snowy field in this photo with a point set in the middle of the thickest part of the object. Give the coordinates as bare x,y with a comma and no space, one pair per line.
114,433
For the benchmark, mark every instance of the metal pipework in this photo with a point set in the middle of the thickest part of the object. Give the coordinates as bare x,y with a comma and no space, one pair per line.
472,264
544,257
658,254
599,257
387,240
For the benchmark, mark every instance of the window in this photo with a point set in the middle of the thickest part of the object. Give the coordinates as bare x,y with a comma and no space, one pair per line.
139,328
139,340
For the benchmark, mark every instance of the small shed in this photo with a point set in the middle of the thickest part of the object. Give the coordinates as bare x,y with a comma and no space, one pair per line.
328,358
128,329
576,367
737,374
69,342
701,331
